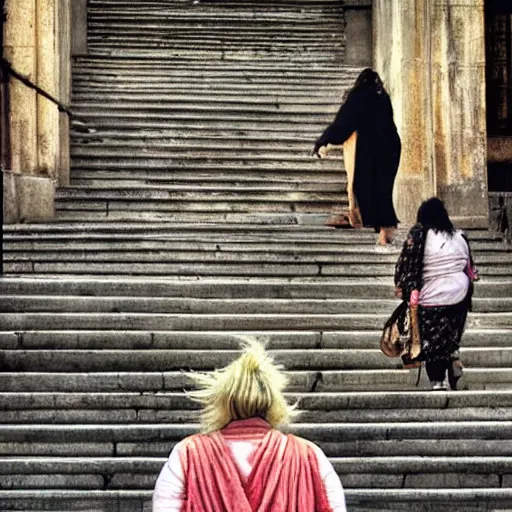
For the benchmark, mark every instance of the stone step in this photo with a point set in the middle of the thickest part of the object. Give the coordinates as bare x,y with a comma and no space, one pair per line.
221,87
329,433
344,466
490,261
119,23
13,243
209,178
210,218
279,101
217,82
267,57
247,110
190,136
87,179
406,471
172,153
221,288
360,500
354,402
200,194
66,303
240,204
363,448
111,415
219,232
178,49
148,70
189,340
191,166
166,266
495,379
65,360
220,322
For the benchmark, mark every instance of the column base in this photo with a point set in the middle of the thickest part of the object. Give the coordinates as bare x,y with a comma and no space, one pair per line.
27,198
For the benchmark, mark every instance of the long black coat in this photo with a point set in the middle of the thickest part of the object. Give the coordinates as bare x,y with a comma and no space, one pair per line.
377,152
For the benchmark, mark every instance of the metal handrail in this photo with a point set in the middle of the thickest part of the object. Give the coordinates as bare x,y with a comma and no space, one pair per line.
25,80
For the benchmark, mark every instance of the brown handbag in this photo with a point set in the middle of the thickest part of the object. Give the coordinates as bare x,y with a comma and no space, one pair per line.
400,336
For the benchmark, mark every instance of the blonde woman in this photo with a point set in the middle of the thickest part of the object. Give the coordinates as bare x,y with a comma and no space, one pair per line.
241,462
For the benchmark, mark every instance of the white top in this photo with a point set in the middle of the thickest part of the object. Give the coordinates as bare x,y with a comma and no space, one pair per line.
444,280
169,486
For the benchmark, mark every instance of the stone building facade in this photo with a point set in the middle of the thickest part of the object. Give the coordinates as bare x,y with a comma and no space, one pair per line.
430,53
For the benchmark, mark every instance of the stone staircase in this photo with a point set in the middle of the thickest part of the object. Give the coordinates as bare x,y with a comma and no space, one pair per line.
194,218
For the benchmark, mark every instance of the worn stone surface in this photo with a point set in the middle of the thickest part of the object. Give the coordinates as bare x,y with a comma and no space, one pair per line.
358,33
458,102
435,73
27,198
35,197
48,77
79,27
19,48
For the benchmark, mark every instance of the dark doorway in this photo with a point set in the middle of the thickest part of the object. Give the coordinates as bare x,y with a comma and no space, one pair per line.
498,20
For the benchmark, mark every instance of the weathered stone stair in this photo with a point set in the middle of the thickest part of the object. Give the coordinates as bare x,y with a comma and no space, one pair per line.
192,220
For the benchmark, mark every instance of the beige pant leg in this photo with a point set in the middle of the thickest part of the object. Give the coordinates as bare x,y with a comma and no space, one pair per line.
349,154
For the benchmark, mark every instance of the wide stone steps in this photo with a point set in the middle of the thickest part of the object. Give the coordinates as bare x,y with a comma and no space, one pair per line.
204,31
318,407
189,224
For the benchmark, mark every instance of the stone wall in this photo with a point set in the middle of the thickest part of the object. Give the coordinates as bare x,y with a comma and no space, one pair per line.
431,54
358,32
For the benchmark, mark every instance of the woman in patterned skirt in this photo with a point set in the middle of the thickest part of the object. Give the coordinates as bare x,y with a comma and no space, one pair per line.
435,272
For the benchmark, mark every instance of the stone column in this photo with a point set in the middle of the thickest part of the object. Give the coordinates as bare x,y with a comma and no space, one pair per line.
20,50
401,56
458,98
27,195
431,55
48,123
64,31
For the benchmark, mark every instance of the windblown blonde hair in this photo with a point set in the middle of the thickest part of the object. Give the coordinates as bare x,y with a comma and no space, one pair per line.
250,386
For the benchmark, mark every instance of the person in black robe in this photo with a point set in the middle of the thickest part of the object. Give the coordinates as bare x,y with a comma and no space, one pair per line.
367,110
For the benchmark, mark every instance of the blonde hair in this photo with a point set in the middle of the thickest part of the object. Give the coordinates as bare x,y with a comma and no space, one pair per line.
250,386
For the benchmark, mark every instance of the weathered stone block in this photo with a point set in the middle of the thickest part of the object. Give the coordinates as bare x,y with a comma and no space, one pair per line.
358,33
27,198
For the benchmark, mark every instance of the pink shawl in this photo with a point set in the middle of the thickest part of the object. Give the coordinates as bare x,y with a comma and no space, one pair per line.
284,478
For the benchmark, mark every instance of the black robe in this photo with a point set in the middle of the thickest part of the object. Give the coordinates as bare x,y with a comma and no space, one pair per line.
377,152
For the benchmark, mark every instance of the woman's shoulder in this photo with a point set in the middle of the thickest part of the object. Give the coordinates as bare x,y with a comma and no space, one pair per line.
310,446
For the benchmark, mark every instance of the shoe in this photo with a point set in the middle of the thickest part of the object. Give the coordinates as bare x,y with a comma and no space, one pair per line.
438,386
455,371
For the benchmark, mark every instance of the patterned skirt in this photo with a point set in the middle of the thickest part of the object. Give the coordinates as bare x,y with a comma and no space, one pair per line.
441,330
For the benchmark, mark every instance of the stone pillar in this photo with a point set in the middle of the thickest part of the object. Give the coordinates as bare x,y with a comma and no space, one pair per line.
430,54
64,31
33,38
20,50
48,123
458,97
401,56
